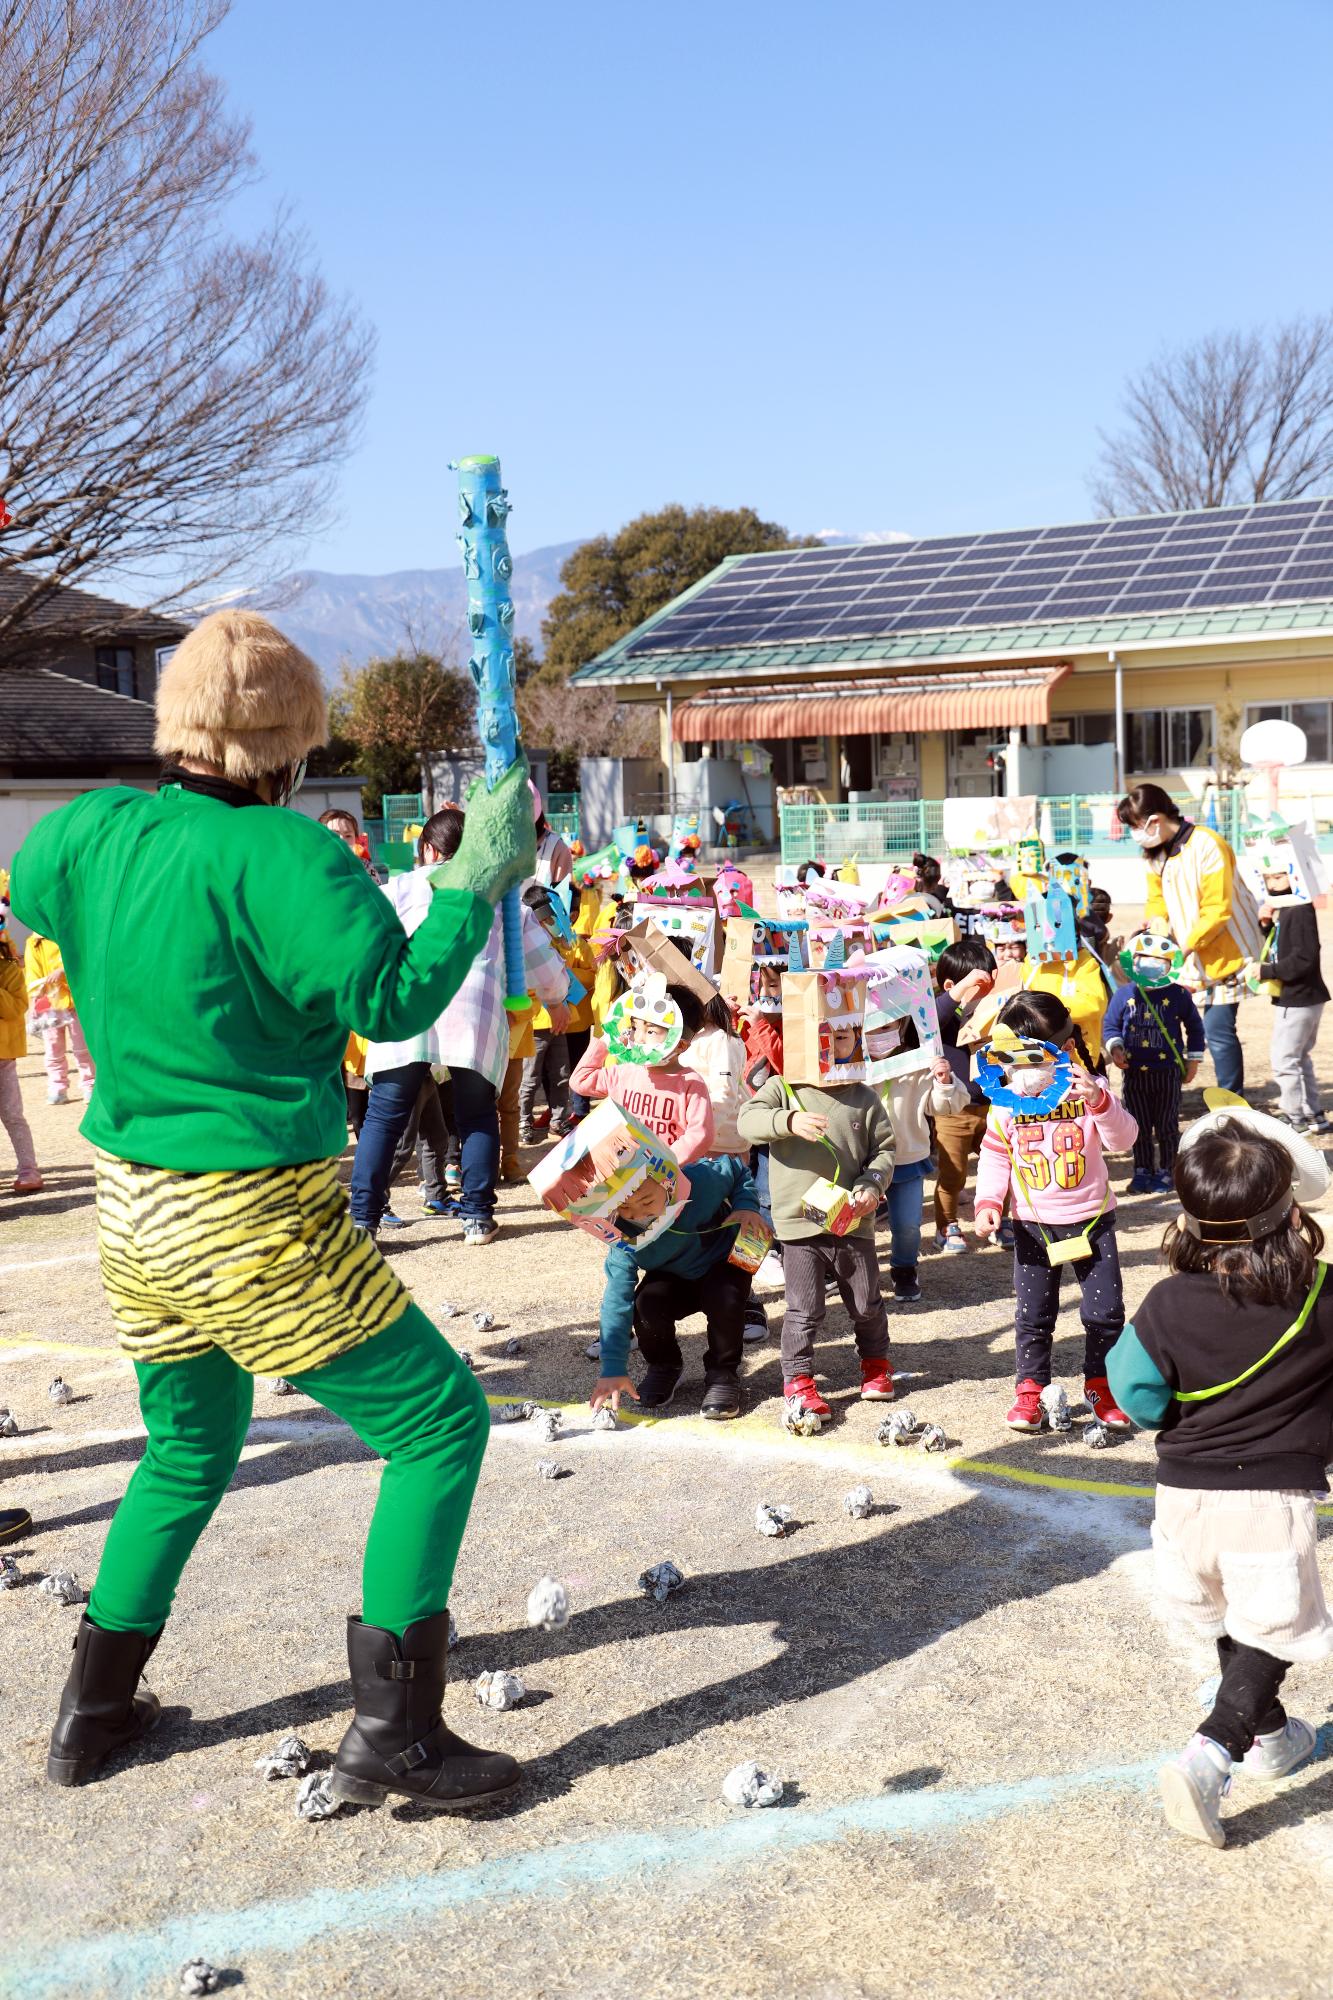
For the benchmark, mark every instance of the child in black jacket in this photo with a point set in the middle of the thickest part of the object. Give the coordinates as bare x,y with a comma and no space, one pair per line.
1291,956
1230,1360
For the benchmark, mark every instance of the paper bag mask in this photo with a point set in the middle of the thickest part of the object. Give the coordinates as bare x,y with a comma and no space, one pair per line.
645,949
823,1027
613,1178
1282,866
757,952
901,991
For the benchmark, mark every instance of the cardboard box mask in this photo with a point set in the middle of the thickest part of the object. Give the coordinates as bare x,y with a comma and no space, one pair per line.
613,1178
1282,866
758,950
901,991
823,1027
646,949
691,926
1049,923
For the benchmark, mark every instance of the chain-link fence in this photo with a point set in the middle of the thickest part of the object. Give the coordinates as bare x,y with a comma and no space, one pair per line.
899,828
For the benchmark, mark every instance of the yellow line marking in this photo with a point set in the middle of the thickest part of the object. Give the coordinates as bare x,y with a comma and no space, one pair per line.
31,1340
43,1263
1101,1488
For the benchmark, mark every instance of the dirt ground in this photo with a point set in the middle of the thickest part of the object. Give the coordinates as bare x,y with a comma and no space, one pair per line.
967,1692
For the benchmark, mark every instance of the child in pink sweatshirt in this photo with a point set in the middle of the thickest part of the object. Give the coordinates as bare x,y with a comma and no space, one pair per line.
1055,1161
669,1100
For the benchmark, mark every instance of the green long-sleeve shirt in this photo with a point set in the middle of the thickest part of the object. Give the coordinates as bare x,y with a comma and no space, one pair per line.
857,1151
218,956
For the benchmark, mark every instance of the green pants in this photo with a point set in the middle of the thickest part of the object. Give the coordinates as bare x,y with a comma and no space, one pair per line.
404,1392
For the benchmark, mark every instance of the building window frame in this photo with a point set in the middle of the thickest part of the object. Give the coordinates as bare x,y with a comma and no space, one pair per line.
114,666
1164,720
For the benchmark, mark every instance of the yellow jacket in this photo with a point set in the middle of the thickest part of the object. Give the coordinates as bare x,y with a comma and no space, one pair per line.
13,1006
41,960
581,959
1082,988
607,985
1199,897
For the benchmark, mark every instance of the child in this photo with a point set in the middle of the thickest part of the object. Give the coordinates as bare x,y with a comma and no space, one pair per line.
1291,956
963,973
1244,1415
1080,985
547,1068
1059,1156
1156,1037
586,909
717,1054
840,1133
669,1099
908,1099
54,1018
687,1269
13,1044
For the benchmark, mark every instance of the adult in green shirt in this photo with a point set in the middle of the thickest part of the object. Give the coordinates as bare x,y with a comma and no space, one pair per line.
219,950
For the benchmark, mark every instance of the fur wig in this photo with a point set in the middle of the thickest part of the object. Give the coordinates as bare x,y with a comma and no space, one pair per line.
237,694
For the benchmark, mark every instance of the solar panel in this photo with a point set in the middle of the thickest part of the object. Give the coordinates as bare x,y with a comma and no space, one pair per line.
1239,557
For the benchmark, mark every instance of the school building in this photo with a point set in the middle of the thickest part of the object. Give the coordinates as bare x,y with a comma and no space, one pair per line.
858,686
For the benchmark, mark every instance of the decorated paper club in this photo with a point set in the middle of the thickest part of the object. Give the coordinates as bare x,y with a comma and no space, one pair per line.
483,508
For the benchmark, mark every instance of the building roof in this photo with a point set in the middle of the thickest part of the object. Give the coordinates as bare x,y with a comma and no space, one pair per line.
48,718
69,613
1159,580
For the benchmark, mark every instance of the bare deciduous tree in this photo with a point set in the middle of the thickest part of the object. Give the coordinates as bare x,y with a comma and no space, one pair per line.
1234,418
172,401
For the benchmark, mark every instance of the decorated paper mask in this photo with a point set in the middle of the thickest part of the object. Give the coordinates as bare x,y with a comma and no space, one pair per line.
901,990
613,1178
1071,872
823,1026
833,944
1049,923
690,925
1024,1075
1151,959
1282,866
1029,855
644,1025
676,881
1002,923
757,952
790,893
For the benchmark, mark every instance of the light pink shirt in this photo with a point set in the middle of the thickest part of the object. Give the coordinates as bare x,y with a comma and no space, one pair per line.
1057,1162
673,1103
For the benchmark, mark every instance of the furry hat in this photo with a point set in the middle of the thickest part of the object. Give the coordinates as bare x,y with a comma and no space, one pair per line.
237,694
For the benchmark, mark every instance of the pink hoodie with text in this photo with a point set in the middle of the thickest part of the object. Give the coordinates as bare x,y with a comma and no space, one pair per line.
673,1103
1056,1161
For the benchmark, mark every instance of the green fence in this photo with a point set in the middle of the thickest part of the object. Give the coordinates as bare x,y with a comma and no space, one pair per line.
896,830
563,812
402,809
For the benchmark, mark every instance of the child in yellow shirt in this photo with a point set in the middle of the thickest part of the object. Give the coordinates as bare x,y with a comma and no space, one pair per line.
54,1019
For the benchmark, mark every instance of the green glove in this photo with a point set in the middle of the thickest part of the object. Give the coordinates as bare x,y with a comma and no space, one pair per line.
499,845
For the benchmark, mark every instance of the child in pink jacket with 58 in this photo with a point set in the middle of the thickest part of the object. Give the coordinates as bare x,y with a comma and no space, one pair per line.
1055,1161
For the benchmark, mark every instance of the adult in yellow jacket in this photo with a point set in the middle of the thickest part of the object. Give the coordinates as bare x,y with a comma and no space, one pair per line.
1195,890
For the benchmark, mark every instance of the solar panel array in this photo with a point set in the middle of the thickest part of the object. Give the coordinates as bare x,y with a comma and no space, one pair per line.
1162,564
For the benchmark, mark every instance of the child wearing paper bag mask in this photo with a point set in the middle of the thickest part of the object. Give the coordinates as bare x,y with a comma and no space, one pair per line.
822,1123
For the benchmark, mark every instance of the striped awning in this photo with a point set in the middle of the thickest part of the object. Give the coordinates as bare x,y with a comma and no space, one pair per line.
998,698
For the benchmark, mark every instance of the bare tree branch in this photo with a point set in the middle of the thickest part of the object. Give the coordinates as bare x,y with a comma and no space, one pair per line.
1235,418
173,403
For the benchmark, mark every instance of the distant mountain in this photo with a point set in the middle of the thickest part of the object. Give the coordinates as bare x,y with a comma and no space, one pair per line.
337,617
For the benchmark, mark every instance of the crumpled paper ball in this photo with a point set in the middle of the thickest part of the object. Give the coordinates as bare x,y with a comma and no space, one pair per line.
548,1604
547,1425
8,1424
198,1976
771,1520
800,1422
1097,1436
314,1797
60,1391
1206,1693
551,1468
509,1413
511,1348
932,1438
1055,1403
858,1502
291,1759
747,1785
447,1311
10,1573
64,1587
605,1419
483,1320
660,1581
897,1428
500,1690
466,1359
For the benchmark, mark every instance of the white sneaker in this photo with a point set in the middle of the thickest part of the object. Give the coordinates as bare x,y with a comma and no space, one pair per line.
1194,1787
1271,1757
770,1271
477,1232
57,1097
593,1351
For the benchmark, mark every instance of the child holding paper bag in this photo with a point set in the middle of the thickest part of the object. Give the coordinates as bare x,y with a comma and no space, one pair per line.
1054,1156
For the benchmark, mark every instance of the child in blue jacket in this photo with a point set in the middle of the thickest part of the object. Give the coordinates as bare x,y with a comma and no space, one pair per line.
1153,1032
687,1269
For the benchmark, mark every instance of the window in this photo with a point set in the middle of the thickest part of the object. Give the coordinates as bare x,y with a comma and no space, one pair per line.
1311,716
115,669
1085,729
1169,739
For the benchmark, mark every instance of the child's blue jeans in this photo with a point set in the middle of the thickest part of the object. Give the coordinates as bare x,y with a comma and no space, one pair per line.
904,1198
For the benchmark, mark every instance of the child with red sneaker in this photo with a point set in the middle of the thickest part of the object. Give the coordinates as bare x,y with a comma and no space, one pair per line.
826,1132
1055,1160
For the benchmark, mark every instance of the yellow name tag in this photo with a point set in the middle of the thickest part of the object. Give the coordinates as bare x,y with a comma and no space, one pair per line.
1071,1249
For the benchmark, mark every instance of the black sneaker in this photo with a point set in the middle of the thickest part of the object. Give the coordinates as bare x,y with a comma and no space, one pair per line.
906,1290
14,1521
722,1398
658,1386
756,1323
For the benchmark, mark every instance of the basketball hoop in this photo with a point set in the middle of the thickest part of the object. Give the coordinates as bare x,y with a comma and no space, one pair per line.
1273,746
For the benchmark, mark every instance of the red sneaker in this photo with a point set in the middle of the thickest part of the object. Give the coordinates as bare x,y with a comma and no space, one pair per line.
1026,1412
801,1390
1102,1403
876,1380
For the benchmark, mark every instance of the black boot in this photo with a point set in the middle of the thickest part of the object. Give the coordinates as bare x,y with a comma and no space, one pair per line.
397,1741
101,1708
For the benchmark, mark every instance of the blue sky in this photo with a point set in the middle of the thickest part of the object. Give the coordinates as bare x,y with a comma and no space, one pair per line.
865,267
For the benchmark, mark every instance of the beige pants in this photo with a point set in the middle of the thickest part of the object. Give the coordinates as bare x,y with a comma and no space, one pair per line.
1245,1564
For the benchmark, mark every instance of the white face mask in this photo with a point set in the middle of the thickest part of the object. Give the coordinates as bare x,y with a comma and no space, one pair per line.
1030,1082
1148,835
